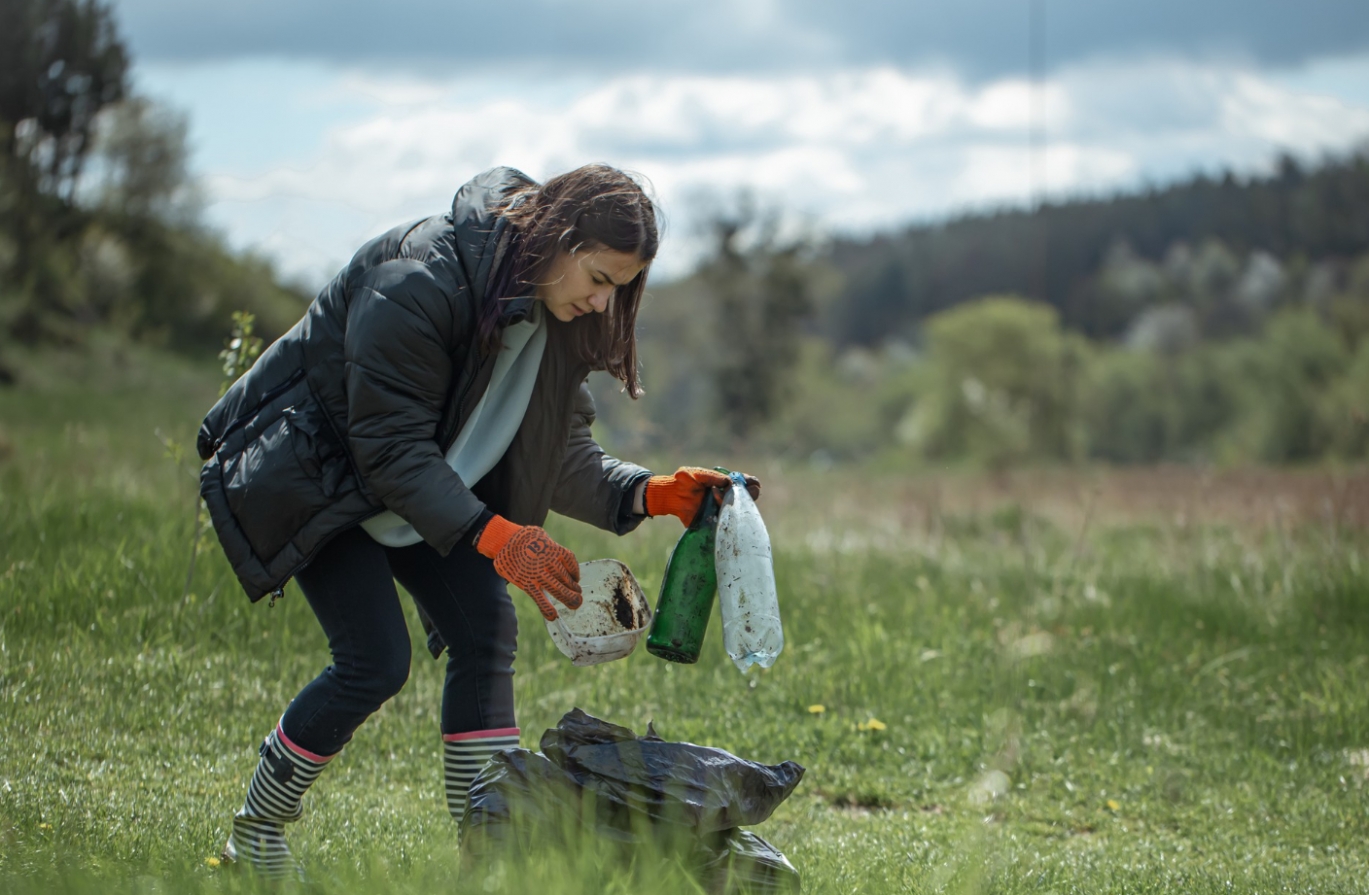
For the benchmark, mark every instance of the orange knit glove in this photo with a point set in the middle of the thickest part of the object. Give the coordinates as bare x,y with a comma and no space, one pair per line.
526,555
681,494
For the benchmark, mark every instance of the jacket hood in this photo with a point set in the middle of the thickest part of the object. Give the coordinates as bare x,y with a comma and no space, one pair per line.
475,218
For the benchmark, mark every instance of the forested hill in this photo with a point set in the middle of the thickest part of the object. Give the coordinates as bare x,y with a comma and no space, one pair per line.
1227,248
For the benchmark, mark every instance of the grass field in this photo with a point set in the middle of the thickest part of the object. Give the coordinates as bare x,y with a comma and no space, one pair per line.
1153,681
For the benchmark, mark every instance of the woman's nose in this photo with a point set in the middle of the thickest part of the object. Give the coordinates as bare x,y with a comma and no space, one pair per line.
598,300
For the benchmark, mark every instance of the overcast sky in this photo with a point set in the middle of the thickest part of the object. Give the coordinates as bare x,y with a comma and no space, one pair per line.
317,124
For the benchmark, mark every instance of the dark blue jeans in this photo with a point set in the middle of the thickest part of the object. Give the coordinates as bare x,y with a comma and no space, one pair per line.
350,585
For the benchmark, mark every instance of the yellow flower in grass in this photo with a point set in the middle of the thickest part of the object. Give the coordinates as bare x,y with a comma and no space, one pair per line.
1114,805
817,709
872,724
212,861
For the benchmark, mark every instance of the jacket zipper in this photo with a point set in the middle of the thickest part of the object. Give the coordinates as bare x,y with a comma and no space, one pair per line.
243,418
448,438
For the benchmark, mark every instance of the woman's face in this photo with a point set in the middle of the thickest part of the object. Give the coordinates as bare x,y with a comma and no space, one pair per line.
583,282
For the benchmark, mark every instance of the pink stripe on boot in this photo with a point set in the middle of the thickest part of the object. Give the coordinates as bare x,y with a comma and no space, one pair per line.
303,753
479,734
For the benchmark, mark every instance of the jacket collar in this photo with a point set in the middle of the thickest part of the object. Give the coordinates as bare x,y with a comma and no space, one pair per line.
516,310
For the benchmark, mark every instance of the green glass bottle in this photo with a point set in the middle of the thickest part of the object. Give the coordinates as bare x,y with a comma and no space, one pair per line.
687,591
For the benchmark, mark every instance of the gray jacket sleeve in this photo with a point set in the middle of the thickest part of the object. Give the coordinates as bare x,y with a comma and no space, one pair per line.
399,363
593,486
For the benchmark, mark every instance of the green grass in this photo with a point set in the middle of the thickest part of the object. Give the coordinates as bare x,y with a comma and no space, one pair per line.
1120,706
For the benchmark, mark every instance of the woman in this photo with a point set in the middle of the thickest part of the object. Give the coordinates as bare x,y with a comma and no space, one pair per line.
417,425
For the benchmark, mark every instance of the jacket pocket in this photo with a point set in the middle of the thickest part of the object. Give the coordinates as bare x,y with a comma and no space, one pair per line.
280,469
317,447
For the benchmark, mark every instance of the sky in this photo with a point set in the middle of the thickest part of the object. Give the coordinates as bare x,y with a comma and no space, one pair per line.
316,125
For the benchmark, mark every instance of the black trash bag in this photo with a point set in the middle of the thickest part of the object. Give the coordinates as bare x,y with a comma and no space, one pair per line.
741,861
704,789
599,778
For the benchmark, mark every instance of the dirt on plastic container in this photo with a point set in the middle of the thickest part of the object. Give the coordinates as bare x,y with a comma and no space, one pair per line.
596,779
610,620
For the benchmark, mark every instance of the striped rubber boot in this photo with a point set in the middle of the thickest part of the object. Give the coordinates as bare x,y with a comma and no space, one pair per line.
273,800
463,755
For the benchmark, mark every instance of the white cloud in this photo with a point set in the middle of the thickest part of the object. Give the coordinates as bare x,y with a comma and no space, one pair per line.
1259,110
852,149
991,173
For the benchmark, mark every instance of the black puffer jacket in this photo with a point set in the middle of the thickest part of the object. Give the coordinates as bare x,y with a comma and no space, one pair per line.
352,411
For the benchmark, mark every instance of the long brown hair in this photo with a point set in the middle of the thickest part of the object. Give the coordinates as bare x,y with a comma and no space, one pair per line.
595,206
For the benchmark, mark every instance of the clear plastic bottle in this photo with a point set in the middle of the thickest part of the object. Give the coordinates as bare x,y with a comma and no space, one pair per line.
746,581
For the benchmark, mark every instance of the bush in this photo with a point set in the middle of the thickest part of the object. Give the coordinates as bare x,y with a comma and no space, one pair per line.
999,385
1288,412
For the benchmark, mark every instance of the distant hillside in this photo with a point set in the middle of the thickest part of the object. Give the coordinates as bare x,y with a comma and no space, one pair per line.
1309,222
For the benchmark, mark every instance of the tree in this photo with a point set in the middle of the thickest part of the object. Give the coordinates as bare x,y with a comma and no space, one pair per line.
143,163
759,286
63,63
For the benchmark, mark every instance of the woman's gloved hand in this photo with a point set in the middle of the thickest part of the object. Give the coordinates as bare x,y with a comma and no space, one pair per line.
681,494
526,555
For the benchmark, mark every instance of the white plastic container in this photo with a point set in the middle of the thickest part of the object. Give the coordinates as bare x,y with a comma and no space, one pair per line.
609,622
746,582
